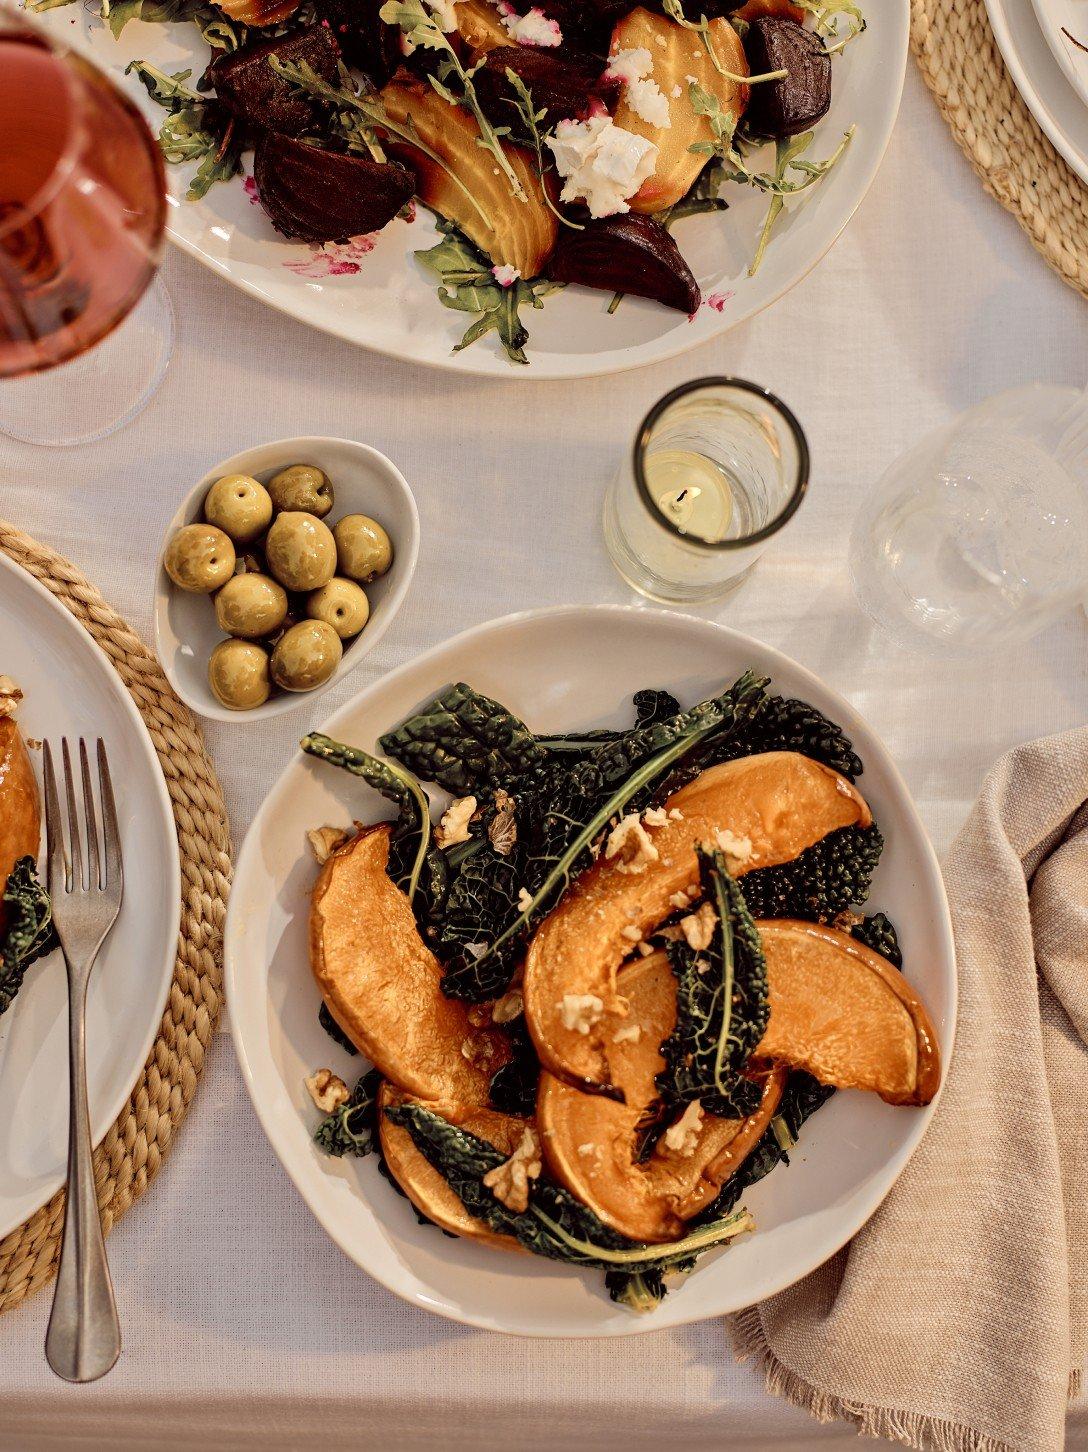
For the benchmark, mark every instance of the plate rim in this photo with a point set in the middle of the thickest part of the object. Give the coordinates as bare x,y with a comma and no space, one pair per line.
1077,76
172,910
712,629
1026,87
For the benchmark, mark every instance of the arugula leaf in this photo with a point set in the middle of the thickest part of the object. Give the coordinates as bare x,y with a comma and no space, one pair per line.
412,833
353,1128
787,158
168,90
827,14
186,134
722,1004
531,119
29,933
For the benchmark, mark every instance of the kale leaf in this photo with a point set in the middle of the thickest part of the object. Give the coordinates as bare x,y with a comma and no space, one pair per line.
788,725
334,1031
878,932
722,1004
825,880
463,740
29,932
353,1128
650,707
513,1087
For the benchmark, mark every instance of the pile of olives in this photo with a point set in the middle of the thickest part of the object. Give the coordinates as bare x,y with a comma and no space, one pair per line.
288,590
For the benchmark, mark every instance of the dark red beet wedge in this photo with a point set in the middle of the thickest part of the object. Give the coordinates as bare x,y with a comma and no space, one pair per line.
629,253
793,104
251,90
563,83
365,39
327,196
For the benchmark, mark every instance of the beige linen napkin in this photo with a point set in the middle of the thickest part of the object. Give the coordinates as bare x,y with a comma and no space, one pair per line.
957,1318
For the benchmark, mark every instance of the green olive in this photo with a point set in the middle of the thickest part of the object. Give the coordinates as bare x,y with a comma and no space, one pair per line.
300,551
306,656
199,558
341,604
363,549
250,606
238,674
240,507
302,486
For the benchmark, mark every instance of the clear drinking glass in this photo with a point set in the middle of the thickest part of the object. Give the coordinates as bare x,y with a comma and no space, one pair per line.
978,537
718,467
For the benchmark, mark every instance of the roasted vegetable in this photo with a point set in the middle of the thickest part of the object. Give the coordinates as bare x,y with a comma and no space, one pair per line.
629,254
251,90
26,932
825,880
843,1014
564,86
479,26
796,101
316,195
259,14
20,815
780,802
364,39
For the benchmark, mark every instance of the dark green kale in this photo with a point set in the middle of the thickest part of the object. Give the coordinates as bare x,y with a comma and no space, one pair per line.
463,740
29,933
650,707
824,881
878,933
788,725
353,1128
802,1097
513,1087
409,849
721,1004
333,1029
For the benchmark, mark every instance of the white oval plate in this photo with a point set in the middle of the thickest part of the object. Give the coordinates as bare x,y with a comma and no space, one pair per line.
380,298
365,482
1049,97
72,690
571,667
1056,17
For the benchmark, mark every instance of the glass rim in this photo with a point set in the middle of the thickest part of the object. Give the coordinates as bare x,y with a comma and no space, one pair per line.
20,25
800,486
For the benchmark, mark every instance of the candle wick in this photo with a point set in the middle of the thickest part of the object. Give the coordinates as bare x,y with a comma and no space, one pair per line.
680,496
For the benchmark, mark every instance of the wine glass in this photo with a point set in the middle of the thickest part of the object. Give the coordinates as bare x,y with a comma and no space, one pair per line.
82,215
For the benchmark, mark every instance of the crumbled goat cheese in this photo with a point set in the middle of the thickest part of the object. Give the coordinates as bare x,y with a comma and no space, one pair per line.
533,28
698,928
443,12
630,842
630,1033
655,817
10,696
635,68
525,900
677,90
738,850
453,827
505,274
580,1011
683,1136
323,840
508,1007
327,1090
601,163
509,1182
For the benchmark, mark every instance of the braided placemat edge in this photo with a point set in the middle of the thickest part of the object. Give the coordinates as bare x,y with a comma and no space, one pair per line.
134,1146
962,66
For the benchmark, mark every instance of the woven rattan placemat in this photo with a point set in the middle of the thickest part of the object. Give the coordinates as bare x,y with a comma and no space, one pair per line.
130,1154
962,66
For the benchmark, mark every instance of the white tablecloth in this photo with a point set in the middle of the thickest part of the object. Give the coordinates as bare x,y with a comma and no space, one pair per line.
243,1324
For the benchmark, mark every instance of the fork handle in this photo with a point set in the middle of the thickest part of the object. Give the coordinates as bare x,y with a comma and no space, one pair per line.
84,1336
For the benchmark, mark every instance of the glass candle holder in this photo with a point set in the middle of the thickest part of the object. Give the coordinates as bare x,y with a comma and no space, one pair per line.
718,467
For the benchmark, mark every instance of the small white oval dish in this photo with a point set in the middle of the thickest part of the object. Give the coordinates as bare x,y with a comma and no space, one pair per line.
562,669
365,482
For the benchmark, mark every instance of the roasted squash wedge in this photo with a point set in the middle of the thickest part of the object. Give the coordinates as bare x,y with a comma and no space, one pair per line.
425,1186
781,801
590,1142
381,981
20,820
517,233
678,55
846,1015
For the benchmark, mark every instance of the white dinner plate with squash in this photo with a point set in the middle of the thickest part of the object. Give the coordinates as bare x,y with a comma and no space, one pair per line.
371,289
664,1170
69,689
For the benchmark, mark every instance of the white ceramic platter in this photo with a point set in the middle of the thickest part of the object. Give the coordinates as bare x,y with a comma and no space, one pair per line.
70,689
372,292
1048,95
561,669
1064,23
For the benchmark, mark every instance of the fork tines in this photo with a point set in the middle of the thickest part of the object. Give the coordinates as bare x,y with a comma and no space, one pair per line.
65,854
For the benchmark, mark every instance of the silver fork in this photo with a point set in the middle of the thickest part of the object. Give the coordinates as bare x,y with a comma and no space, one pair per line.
84,1336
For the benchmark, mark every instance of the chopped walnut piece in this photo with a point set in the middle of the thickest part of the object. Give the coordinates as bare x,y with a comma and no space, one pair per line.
698,928
453,827
628,1033
502,830
680,900
325,840
631,933
10,696
525,900
655,817
580,1011
630,842
738,850
683,1136
478,1050
327,1090
509,1182
508,1007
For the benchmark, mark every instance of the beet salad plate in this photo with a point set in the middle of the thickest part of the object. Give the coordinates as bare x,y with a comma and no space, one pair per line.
843,1158
371,289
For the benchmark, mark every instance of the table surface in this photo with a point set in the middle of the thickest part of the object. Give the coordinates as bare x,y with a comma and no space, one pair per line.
243,1323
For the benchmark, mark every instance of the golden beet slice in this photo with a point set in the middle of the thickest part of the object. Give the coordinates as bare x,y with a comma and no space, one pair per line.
479,25
590,1142
679,55
20,818
259,13
781,801
514,232
846,1015
427,1189
381,981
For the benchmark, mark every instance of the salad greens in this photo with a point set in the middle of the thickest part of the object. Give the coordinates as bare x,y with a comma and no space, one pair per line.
29,934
